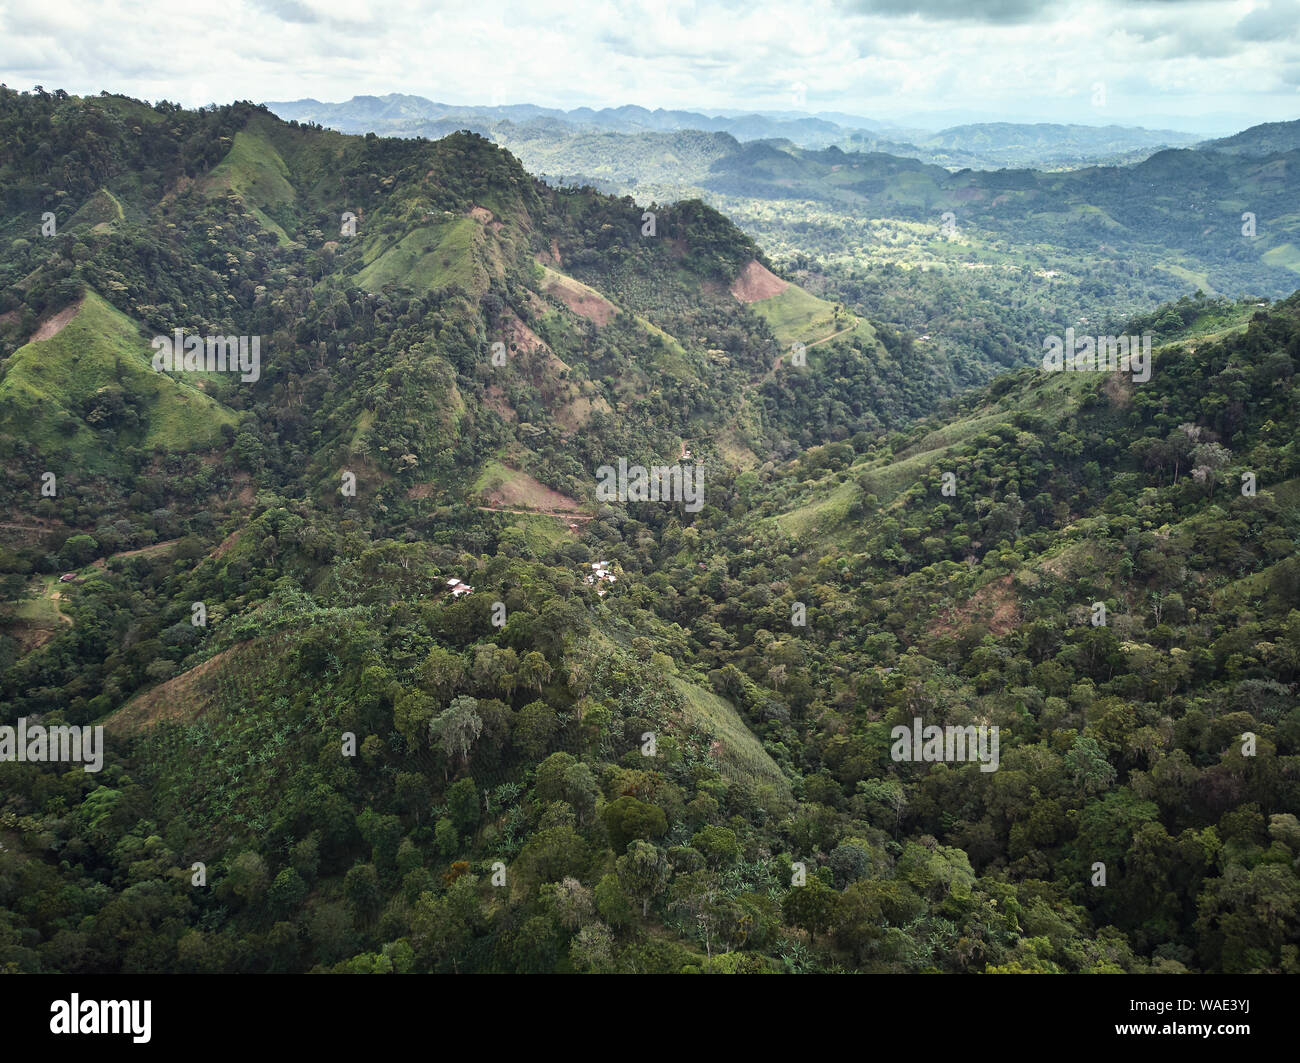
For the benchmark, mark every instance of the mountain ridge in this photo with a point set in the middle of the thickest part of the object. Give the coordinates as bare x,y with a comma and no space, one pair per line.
383,643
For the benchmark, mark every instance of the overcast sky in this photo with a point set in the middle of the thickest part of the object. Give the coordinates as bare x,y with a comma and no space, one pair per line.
1201,65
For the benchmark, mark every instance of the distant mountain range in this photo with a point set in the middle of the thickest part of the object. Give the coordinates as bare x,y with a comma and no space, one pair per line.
1271,138
981,146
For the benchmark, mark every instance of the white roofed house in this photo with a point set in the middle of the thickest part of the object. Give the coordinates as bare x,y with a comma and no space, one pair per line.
600,575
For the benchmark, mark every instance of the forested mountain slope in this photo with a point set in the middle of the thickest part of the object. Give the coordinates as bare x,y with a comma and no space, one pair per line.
557,772
981,262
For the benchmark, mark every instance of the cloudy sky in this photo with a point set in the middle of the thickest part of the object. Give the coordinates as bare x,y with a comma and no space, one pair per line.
1206,66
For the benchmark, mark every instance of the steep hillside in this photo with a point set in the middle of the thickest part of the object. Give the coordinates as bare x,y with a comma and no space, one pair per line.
358,262
1270,138
85,380
370,648
970,266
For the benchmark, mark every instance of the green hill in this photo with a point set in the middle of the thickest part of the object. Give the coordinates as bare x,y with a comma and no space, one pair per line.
95,375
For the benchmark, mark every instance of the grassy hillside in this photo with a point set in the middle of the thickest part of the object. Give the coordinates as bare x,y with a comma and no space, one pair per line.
738,751
432,256
254,171
95,374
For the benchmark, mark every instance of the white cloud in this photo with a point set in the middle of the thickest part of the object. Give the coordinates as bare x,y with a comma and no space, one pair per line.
1026,59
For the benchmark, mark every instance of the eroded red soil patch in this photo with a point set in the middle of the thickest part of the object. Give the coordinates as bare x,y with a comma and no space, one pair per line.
185,697
521,491
993,604
495,400
582,301
224,546
52,326
757,282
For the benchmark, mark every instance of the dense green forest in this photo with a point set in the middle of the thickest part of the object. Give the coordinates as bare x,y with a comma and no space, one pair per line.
982,261
349,767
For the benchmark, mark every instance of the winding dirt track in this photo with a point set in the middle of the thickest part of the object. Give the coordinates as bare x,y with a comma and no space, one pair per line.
558,515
